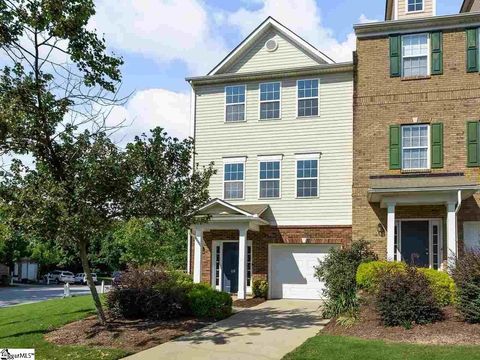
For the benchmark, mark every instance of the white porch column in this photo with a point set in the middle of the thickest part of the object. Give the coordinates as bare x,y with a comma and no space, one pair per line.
197,255
242,263
391,232
451,231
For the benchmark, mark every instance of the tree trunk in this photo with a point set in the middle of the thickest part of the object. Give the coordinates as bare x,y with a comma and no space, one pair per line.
91,284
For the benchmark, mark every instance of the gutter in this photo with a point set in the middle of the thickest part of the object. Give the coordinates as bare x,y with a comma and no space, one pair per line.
433,23
276,74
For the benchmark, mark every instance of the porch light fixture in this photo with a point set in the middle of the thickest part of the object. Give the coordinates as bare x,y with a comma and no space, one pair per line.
380,230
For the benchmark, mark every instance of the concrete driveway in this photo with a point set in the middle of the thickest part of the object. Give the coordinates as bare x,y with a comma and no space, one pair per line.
267,331
24,294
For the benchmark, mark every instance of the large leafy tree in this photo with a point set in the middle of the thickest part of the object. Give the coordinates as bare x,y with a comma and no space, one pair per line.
53,91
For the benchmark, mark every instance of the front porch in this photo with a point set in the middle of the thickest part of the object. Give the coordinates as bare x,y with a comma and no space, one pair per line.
231,259
421,236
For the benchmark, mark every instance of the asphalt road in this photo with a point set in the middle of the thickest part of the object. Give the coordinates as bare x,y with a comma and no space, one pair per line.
23,294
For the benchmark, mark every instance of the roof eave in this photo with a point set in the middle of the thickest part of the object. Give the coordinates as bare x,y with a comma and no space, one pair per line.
466,6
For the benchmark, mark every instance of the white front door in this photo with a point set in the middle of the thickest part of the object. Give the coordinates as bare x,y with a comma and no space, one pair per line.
292,271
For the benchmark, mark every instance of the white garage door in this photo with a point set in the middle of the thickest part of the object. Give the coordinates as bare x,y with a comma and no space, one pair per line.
292,271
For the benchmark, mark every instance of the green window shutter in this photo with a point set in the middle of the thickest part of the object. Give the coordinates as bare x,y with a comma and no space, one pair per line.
437,52
473,156
395,147
395,55
437,145
472,50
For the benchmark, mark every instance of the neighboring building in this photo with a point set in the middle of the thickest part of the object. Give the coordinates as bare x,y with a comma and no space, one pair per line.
416,160
25,270
275,116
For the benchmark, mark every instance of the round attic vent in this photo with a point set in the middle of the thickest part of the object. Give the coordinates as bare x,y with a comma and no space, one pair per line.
271,45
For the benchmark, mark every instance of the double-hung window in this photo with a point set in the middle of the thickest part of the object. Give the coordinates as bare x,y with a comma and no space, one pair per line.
233,180
414,5
415,147
270,101
307,177
269,179
415,54
235,103
307,95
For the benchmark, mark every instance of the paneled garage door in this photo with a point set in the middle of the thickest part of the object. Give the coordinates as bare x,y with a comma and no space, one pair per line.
292,271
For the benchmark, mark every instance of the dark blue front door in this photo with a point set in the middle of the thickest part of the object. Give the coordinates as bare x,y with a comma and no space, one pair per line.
415,241
230,267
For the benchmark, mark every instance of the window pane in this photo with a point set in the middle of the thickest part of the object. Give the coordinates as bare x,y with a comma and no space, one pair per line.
307,178
415,55
415,5
234,190
307,168
306,188
308,107
235,113
270,91
233,172
269,188
270,110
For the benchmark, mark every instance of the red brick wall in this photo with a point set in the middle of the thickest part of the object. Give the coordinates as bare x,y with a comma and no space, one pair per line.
272,235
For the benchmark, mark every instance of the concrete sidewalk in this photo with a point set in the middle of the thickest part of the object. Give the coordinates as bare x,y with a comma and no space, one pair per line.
268,331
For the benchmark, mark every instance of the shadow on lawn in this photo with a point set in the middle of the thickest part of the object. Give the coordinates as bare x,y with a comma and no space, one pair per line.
269,319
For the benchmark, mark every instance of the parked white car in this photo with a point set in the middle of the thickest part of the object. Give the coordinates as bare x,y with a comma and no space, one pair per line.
60,276
81,278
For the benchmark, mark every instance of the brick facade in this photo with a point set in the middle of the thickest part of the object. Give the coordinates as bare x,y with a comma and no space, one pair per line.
380,101
272,235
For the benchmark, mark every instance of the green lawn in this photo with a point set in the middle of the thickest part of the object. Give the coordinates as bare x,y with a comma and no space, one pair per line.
23,327
345,348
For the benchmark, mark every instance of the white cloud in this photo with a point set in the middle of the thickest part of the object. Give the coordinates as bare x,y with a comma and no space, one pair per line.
302,17
164,30
148,109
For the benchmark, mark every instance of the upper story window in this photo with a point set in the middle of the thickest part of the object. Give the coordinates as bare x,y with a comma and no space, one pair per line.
269,179
415,147
270,101
415,53
415,5
235,103
233,180
307,97
307,177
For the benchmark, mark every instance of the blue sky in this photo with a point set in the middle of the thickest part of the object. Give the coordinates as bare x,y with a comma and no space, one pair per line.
163,41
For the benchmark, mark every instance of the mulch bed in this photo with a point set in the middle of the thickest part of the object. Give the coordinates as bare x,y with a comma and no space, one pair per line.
128,335
248,303
452,331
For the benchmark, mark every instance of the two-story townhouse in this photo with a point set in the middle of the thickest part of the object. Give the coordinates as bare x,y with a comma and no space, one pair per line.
275,116
416,136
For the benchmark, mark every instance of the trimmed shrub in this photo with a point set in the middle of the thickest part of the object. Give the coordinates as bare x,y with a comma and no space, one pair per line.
151,293
368,279
442,285
338,271
260,289
368,274
205,302
466,275
405,297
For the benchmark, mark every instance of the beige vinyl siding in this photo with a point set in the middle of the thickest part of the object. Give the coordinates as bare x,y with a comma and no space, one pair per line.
257,58
475,6
330,133
402,10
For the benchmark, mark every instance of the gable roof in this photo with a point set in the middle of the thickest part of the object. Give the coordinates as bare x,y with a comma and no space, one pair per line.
258,32
389,10
468,4
251,210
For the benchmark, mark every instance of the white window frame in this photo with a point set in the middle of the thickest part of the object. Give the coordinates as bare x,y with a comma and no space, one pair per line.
307,98
263,159
302,158
213,278
229,161
414,11
260,102
429,65
240,103
417,147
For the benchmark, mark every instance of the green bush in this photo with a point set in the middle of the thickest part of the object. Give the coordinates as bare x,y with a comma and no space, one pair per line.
466,275
369,274
205,302
406,297
442,285
338,272
260,289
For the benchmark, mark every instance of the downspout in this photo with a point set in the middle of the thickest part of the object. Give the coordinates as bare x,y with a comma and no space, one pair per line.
459,202
189,251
